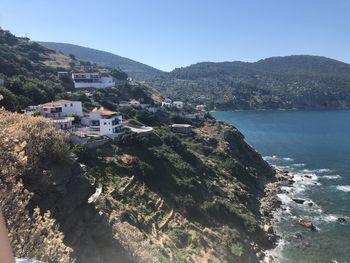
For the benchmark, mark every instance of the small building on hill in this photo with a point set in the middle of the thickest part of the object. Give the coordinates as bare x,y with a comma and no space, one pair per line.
61,108
92,80
168,103
201,107
104,122
64,123
181,128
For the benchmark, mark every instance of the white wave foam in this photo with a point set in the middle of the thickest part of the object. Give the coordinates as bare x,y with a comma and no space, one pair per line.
336,176
298,164
285,199
275,157
303,179
322,170
267,158
344,188
275,255
330,218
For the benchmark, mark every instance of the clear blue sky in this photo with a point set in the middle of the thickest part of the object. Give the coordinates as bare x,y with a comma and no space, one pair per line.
168,34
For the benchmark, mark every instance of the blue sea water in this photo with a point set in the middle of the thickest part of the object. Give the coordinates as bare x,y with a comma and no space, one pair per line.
315,147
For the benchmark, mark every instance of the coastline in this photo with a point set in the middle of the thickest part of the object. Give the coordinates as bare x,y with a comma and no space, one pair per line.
269,204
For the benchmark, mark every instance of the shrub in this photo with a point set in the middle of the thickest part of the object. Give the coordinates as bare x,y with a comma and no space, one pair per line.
32,235
180,237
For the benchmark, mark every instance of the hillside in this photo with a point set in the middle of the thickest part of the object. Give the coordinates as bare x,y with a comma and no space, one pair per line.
162,196
165,197
30,74
279,82
133,68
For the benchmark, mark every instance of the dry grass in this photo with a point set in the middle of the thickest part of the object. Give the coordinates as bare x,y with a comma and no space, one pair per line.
58,60
24,142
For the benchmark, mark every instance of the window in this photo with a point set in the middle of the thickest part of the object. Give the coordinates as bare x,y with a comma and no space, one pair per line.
71,104
105,123
65,105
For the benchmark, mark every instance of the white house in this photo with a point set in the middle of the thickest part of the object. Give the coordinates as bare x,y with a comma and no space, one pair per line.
92,80
178,104
65,123
61,108
201,107
104,122
2,82
166,104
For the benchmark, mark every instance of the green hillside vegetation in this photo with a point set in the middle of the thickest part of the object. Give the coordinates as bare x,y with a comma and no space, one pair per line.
30,74
182,198
279,82
133,68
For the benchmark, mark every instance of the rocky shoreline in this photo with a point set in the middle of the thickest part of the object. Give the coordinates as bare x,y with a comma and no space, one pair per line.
270,203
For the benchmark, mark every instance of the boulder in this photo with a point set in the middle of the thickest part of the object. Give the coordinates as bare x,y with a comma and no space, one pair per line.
268,229
341,220
299,200
307,224
297,236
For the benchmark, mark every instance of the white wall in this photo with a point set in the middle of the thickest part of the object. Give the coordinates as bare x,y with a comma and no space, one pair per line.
70,108
96,85
106,126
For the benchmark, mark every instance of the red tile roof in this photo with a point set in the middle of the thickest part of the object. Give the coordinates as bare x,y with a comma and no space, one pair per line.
104,112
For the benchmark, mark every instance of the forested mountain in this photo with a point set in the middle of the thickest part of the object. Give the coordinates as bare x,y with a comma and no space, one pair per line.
298,81
24,65
29,71
133,68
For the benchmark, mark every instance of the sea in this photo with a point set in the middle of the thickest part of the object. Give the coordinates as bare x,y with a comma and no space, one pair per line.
315,147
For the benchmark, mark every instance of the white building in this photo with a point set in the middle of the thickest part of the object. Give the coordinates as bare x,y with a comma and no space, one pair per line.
2,82
61,108
166,104
104,122
201,107
65,123
92,80
178,105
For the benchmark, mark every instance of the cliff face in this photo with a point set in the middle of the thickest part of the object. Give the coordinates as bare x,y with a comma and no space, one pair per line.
173,197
